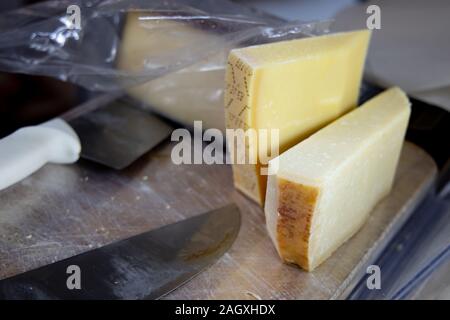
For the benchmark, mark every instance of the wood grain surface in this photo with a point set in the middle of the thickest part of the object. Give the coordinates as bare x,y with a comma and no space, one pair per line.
64,210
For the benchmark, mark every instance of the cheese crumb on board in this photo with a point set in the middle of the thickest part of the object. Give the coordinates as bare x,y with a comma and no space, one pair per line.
295,86
326,186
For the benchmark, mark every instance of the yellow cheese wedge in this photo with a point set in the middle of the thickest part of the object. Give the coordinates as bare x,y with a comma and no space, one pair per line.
325,187
193,93
295,86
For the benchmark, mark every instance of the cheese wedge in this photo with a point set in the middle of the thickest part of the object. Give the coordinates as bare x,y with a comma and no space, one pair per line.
325,187
295,86
193,93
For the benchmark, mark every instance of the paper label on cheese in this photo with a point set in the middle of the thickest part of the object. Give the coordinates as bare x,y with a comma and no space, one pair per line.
326,186
296,87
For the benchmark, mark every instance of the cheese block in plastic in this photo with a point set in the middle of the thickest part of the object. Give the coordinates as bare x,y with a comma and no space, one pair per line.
295,86
326,186
193,93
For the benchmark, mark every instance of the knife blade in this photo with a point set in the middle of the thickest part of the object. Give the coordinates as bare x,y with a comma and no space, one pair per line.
116,133
105,130
146,266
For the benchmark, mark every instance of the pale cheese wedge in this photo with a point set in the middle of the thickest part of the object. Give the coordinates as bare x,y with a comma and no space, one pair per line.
326,186
295,86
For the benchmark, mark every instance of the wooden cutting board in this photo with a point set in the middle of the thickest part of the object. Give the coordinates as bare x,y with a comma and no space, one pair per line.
64,210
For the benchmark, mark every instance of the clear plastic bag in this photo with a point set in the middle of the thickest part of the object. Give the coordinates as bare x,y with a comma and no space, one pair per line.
41,39
168,54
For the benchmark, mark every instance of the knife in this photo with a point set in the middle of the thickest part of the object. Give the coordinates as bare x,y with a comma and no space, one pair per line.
146,266
106,129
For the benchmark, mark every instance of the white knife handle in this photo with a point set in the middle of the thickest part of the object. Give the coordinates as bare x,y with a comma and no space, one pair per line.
29,148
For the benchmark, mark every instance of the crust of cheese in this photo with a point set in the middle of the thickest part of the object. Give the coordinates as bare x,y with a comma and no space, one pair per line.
296,204
239,116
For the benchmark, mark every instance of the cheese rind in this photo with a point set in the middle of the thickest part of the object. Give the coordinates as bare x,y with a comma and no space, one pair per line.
295,86
326,186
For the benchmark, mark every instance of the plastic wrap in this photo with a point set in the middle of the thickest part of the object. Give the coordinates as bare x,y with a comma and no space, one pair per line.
181,45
